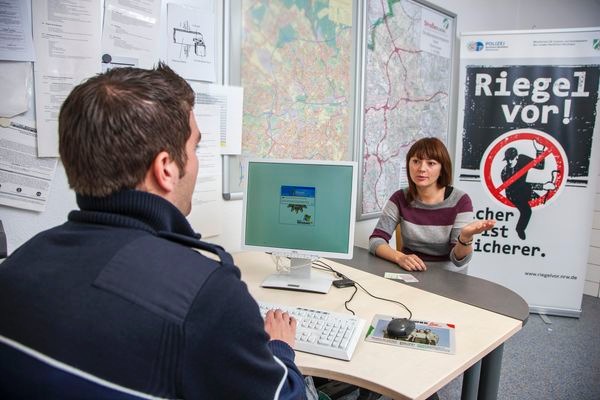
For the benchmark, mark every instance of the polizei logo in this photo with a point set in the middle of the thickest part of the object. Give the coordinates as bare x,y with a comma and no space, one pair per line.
475,46
495,44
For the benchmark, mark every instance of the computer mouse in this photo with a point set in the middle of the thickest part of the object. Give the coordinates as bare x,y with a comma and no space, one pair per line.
399,328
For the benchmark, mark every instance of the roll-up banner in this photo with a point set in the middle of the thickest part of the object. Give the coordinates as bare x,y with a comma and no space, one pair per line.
527,152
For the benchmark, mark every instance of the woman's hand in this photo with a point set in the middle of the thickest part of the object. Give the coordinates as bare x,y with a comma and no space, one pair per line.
410,262
474,228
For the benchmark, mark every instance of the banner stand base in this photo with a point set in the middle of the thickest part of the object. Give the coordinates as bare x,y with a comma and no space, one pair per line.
560,312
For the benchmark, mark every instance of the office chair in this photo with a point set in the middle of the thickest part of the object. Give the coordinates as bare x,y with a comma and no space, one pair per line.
26,376
398,238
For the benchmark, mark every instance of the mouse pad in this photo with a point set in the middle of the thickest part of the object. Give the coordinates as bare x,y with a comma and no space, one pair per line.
427,335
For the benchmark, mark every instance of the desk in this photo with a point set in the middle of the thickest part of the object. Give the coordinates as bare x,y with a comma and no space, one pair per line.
482,379
397,372
464,288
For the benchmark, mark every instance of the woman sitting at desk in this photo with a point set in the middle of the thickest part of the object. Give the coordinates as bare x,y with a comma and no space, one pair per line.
435,219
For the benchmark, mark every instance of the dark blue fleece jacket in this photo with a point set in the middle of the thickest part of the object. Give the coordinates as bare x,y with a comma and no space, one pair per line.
118,292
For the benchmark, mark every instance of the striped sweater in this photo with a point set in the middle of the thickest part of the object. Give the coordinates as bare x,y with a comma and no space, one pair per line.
429,231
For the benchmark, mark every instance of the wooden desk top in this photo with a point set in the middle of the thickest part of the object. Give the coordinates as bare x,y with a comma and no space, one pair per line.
464,288
397,372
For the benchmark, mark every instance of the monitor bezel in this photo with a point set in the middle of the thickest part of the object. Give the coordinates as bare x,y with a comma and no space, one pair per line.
296,252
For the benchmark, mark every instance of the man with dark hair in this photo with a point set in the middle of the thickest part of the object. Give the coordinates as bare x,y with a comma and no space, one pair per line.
119,295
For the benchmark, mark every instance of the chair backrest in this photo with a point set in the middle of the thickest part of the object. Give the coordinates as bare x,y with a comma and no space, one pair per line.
26,374
398,238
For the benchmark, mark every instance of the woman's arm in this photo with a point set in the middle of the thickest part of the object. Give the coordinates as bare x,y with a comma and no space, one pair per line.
464,243
409,262
379,239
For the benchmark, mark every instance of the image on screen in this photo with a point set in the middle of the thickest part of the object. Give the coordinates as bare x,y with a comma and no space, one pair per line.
300,205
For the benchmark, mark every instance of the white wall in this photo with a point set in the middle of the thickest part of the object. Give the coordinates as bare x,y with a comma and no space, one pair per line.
592,278
473,15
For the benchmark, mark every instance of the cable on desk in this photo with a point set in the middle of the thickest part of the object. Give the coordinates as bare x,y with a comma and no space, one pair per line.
325,267
350,299
318,264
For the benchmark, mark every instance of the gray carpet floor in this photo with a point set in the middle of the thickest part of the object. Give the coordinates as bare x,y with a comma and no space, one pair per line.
556,361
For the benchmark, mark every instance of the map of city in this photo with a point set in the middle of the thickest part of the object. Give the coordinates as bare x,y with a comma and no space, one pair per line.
407,86
295,70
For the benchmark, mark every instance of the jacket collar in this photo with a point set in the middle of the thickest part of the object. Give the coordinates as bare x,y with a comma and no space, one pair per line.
133,209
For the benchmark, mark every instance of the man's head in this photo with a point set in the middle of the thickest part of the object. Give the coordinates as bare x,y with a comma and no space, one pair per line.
510,153
510,156
113,127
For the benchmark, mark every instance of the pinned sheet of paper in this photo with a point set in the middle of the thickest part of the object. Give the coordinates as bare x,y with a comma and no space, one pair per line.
192,44
15,78
229,100
25,179
402,277
67,45
16,42
206,204
130,35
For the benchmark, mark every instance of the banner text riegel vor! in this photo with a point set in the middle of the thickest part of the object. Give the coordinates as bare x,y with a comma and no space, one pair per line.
527,154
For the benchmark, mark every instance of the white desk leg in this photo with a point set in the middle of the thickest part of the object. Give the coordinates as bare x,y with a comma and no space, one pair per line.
470,383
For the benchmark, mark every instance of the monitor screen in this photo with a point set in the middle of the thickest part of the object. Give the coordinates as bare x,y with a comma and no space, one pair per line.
300,209
302,206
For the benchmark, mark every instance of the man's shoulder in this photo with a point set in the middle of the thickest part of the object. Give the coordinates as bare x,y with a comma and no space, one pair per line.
162,276
523,159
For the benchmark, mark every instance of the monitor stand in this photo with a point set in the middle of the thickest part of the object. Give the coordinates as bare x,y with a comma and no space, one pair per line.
300,277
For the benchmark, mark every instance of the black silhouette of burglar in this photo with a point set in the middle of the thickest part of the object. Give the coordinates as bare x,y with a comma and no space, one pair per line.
520,192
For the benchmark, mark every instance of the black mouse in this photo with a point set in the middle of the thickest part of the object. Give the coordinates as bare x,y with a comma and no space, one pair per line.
399,328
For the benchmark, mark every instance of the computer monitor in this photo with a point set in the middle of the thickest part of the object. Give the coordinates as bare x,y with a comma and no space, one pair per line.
301,210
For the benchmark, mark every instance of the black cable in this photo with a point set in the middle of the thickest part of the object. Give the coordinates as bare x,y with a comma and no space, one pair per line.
321,267
350,299
325,267
318,264
384,299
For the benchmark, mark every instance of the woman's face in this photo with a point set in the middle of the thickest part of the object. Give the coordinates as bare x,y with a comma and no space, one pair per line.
424,173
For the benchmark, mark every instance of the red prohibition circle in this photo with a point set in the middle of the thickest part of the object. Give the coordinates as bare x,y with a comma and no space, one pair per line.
550,150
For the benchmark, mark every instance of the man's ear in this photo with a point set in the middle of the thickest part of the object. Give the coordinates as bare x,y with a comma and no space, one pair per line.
163,174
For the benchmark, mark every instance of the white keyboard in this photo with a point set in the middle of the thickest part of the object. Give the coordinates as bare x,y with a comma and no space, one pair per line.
322,332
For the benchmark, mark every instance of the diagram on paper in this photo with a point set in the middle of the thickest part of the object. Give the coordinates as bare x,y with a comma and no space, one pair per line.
189,39
191,42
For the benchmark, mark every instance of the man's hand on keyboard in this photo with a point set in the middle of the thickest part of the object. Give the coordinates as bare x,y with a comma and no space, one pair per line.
281,326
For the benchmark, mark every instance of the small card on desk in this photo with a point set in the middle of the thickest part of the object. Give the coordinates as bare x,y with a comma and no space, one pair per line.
402,277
